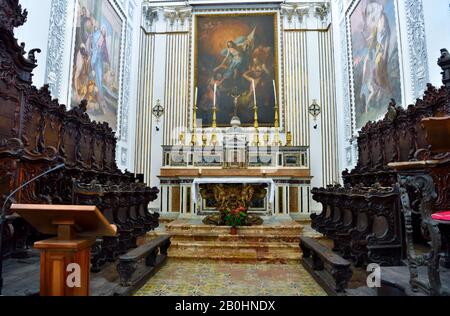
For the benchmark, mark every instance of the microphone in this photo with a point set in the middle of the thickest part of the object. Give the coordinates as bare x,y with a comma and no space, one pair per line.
3,214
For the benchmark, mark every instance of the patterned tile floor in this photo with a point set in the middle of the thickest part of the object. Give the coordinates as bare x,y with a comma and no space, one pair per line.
214,278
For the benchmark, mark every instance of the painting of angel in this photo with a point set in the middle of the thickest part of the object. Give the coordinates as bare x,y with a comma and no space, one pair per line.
235,53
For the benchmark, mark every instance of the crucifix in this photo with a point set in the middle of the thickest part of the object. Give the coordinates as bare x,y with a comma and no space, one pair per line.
234,94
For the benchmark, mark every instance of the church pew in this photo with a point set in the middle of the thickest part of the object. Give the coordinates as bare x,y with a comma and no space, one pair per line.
362,223
146,259
330,270
119,204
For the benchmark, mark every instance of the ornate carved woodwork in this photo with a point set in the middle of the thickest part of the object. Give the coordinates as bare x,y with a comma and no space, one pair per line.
319,260
363,223
424,186
364,218
37,132
151,255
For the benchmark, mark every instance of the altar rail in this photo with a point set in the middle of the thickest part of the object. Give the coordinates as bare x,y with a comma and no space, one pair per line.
37,133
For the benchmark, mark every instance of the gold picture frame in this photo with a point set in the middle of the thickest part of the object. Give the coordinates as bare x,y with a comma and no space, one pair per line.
276,69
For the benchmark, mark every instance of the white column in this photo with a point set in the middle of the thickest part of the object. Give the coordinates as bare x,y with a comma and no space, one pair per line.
316,143
288,200
158,94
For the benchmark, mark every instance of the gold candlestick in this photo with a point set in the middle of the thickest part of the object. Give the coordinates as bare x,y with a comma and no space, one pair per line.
214,126
256,126
289,139
194,128
255,109
214,123
182,137
204,139
276,139
266,138
194,123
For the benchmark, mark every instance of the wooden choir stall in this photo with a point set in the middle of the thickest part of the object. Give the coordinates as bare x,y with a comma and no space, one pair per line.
384,208
38,133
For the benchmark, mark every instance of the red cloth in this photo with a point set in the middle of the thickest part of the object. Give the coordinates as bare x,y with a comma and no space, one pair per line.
443,217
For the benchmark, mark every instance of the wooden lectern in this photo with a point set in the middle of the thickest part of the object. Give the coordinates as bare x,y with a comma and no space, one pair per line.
65,259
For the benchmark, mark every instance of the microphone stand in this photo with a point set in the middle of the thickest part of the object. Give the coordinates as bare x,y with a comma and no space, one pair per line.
3,215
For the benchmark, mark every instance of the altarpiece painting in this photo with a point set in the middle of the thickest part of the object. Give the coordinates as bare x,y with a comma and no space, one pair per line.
232,53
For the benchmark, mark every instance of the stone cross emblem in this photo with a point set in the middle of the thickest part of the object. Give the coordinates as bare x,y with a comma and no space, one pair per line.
314,109
158,110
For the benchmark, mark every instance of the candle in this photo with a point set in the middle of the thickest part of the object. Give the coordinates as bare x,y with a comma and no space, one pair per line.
254,91
215,91
196,96
275,92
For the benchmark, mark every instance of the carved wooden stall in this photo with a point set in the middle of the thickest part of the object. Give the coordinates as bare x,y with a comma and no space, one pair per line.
364,217
37,133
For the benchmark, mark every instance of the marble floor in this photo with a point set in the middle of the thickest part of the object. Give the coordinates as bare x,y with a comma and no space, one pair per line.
180,277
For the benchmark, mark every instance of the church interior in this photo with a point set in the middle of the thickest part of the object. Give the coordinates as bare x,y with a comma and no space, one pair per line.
224,148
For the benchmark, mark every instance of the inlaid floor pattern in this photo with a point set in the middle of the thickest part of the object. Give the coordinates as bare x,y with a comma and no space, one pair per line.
180,277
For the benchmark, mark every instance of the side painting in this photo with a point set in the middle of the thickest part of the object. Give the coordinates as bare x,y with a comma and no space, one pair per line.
376,63
232,52
96,66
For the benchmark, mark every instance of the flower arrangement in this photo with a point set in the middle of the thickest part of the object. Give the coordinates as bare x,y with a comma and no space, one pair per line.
236,217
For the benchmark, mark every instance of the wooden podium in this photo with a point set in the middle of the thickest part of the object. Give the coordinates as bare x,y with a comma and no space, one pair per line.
65,259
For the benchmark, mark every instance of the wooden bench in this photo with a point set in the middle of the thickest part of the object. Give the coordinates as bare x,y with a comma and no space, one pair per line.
145,260
329,269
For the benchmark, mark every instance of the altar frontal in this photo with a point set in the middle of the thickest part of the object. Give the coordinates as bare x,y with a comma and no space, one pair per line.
228,195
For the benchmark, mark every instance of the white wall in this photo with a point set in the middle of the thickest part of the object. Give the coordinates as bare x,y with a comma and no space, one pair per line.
437,17
35,34
134,85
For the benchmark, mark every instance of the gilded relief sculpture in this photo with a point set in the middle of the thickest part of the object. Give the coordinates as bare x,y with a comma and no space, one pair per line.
228,197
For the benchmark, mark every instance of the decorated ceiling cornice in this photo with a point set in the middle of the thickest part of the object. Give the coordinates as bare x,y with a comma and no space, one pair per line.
307,15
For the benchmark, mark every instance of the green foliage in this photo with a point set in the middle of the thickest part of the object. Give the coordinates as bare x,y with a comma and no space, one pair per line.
236,217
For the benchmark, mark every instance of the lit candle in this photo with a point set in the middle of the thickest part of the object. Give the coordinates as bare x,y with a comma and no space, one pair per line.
196,96
275,92
215,91
254,91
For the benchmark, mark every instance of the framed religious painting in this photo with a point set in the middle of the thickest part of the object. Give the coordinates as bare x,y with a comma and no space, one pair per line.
97,59
236,64
374,59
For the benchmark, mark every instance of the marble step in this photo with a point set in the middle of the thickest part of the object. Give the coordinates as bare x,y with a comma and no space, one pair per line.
245,258
237,257
235,245
262,238
277,241
242,253
224,230
221,250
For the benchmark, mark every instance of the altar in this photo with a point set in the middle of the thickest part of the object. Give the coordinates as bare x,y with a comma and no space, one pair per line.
259,202
235,167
